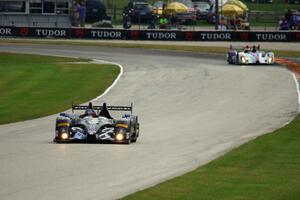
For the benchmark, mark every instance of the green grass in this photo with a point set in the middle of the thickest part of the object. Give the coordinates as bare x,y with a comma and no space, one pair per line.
35,86
268,23
276,6
170,47
276,11
266,168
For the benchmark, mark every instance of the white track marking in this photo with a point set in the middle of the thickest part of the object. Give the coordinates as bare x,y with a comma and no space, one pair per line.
116,80
298,92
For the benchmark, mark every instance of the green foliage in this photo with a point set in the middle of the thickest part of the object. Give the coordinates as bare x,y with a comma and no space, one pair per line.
36,86
268,14
276,6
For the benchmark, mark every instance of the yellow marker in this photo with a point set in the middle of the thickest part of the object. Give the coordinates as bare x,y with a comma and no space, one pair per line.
63,124
122,125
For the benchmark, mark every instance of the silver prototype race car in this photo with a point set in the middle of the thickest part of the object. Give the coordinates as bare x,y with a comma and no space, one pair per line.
96,124
250,56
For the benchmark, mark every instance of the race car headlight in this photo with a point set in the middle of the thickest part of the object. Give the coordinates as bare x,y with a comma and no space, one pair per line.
119,137
243,59
64,136
270,60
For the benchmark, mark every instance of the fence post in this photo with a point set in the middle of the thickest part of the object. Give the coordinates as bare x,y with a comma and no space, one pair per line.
256,16
217,14
115,12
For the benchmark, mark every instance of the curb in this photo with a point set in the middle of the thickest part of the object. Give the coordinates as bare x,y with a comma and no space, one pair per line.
294,67
115,81
291,65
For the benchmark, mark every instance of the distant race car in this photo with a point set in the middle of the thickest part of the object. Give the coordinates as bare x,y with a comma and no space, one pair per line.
250,56
96,124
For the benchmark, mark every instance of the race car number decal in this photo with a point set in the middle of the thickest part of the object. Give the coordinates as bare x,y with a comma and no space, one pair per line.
106,133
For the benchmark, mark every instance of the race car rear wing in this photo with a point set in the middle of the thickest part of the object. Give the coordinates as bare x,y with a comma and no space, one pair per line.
243,47
99,108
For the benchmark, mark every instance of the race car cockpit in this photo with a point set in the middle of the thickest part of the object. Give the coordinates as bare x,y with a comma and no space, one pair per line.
89,112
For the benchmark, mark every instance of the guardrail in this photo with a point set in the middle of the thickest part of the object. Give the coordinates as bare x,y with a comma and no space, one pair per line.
162,35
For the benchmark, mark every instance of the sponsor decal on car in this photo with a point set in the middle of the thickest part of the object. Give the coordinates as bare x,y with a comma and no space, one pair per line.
63,124
122,125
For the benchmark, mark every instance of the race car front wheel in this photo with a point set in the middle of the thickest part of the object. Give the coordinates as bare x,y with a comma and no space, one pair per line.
133,140
242,60
137,132
127,141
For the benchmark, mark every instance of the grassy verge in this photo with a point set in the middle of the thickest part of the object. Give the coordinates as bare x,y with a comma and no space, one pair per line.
34,86
170,47
276,6
266,168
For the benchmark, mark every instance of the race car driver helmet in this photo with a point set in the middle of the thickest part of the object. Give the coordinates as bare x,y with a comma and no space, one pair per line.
246,49
90,112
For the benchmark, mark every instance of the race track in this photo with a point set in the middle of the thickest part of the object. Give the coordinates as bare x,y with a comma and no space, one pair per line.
192,108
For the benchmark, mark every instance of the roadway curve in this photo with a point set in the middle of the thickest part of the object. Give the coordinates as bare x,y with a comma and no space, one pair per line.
192,109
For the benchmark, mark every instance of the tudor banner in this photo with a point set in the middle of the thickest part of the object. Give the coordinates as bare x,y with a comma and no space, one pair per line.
161,35
7,31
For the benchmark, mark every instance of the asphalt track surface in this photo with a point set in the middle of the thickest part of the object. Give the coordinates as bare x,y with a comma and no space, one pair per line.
192,108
